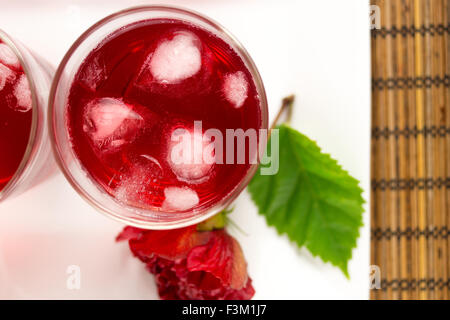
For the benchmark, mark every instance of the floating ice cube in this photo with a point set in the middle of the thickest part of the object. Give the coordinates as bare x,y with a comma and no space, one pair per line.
177,59
6,75
93,73
8,57
137,185
179,199
188,156
23,94
235,88
110,122
131,186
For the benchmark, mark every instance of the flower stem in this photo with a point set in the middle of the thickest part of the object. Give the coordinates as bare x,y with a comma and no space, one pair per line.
286,106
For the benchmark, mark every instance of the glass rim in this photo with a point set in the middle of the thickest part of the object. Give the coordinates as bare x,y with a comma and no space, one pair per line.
27,156
142,223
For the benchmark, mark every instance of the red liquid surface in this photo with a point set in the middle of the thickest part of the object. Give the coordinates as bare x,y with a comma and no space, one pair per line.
132,77
15,114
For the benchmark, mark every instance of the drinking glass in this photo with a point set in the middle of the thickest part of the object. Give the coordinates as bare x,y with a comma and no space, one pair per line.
68,160
37,162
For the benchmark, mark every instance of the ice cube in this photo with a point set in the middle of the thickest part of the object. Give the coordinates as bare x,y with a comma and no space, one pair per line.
179,199
188,156
176,59
131,187
8,57
138,185
110,122
6,75
22,93
93,73
235,88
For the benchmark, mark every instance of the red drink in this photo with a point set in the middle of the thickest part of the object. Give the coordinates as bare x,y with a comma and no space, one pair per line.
135,89
15,114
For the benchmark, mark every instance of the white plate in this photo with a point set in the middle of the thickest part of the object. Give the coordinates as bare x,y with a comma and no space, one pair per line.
318,50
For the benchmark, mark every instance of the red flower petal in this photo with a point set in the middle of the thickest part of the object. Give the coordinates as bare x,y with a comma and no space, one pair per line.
189,264
222,257
129,233
169,244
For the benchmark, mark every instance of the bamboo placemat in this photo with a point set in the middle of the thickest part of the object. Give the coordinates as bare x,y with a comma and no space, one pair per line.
410,211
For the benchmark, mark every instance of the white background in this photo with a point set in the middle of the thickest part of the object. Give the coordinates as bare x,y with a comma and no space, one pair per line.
318,50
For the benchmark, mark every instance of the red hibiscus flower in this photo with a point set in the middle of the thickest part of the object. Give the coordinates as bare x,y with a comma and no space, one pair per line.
192,264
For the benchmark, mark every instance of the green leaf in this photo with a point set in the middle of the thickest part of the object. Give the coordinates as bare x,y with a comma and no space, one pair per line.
311,199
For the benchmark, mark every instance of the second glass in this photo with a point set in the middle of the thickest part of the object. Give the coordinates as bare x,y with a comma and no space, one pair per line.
25,149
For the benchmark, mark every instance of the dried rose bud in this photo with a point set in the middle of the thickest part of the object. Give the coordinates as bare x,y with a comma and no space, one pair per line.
192,264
